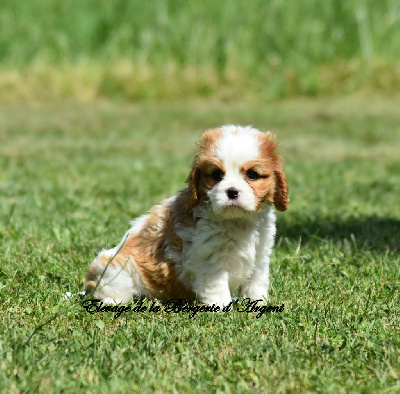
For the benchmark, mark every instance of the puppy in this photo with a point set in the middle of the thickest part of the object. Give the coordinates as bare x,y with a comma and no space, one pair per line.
215,237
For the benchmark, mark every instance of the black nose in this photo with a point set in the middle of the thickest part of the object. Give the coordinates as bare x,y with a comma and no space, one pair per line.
232,193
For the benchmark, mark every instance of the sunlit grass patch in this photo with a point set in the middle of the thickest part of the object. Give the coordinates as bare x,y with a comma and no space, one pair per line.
125,80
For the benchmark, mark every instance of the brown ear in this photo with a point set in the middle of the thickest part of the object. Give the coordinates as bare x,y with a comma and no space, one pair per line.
281,199
193,183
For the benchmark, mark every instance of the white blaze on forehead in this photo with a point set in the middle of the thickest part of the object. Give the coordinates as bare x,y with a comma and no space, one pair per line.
238,145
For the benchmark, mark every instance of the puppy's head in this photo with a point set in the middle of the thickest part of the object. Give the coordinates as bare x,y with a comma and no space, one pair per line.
238,170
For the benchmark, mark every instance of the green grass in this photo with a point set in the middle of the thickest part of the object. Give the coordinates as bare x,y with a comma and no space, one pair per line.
162,48
72,177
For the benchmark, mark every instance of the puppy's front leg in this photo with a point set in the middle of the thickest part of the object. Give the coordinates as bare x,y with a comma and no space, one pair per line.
213,288
256,287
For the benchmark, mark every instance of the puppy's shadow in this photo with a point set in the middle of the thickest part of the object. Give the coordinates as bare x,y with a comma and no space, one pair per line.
375,233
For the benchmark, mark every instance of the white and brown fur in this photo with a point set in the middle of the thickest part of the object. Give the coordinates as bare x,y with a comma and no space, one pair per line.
213,238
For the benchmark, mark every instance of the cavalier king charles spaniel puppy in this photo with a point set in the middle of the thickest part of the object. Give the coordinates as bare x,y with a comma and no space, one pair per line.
213,238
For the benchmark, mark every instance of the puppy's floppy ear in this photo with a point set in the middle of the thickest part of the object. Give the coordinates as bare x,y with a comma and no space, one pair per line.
193,182
281,200
268,148
205,148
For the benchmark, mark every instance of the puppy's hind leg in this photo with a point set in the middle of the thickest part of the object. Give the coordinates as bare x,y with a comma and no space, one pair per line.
109,278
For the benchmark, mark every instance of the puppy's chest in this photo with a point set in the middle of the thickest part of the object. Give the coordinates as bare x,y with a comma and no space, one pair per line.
230,245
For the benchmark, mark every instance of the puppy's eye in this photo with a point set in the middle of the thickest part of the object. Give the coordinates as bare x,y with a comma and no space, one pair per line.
252,175
217,175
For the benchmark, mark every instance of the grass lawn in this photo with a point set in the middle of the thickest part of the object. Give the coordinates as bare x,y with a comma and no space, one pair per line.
71,178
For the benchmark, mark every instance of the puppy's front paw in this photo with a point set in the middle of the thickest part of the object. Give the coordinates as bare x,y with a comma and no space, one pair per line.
256,293
218,301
